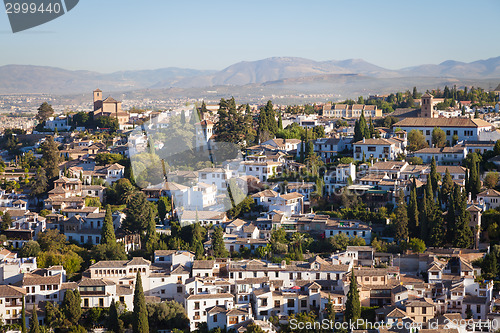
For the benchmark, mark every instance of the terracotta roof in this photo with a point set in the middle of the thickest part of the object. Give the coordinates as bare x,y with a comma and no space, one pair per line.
441,122
11,291
489,193
209,296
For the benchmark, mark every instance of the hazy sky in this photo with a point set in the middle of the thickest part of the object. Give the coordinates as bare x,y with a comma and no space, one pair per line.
111,35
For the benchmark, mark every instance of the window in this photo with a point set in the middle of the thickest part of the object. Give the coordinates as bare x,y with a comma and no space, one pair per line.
101,302
196,305
276,304
424,310
215,318
291,303
303,303
179,290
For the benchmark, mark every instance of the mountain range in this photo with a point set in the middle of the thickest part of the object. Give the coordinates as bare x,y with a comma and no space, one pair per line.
271,75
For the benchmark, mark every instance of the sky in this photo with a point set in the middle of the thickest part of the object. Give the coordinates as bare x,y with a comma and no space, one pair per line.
114,35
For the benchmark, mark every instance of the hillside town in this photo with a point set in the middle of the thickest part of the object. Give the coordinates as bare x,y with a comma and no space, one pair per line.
380,214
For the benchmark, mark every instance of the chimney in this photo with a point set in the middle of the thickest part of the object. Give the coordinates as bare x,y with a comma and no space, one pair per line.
364,140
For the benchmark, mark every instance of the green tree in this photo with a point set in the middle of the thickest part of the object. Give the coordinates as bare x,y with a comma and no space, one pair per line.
34,325
45,111
108,230
417,245
352,305
462,233
50,157
491,179
401,220
474,181
496,149
416,140
30,249
138,213
413,224
40,185
218,246
164,206
140,315
434,175
6,221
71,306
23,316
438,137
115,324
447,185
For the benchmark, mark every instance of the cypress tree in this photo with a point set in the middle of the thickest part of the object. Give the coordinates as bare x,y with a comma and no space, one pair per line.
413,225
140,315
23,317
115,324
352,305
280,122
447,186
401,222
434,175
108,231
71,306
35,325
463,236
423,217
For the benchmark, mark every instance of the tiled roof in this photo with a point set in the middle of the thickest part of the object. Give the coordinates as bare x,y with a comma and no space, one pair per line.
442,122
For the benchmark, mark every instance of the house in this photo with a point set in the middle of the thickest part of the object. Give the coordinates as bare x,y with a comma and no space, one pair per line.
262,170
377,149
420,310
203,217
350,228
442,156
465,129
490,198
328,148
101,292
351,111
289,204
11,302
197,307
285,145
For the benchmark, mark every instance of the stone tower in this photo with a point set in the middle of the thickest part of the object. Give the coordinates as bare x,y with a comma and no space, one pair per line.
97,99
427,106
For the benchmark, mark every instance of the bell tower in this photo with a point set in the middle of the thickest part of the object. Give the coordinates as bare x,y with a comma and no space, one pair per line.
427,106
97,99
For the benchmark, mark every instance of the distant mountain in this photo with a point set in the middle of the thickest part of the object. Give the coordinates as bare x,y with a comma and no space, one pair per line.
266,73
489,68
277,68
52,80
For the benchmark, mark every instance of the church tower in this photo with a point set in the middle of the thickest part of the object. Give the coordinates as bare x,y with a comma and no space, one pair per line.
427,106
97,99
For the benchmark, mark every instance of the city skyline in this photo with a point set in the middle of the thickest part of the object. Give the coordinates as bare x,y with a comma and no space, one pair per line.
117,35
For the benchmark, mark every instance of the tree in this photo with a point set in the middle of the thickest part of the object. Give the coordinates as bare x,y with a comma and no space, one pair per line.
491,179
138,213
434,176
352,305
496,149
140,315
44,112
40,185
218,246
413,225
23,316
6,221
115,324
401,220
253,328
462,233
30,249
50,157
447,185
108,230
438,137
164,206
416,140
474,182
417,245
34,325
71,306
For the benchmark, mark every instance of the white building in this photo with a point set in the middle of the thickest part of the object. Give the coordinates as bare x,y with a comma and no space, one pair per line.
378,149
463,128
443,156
